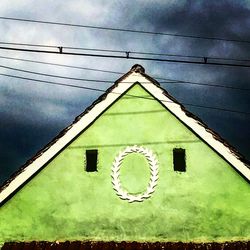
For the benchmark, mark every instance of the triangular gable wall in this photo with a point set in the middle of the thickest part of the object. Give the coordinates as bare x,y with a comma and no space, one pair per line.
103,103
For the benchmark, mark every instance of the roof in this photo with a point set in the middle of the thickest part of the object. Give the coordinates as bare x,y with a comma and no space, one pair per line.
85,119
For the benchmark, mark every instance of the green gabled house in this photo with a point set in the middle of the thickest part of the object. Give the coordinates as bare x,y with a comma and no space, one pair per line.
135,167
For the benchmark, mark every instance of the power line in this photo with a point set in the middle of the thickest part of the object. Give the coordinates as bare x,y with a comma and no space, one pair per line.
124,30
60,65
53,83
57,76
30,45
110,81
207,84
101,90
62,48
127,56
121,73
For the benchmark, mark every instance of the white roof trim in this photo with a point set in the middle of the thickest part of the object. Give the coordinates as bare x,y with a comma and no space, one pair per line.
198,129
111,97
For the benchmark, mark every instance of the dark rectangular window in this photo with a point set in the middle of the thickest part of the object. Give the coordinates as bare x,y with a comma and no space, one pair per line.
91,160
179,159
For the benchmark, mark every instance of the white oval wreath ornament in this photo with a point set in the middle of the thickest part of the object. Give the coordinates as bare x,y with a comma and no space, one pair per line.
153,163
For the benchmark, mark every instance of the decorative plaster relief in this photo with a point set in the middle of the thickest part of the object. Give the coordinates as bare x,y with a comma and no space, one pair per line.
153,163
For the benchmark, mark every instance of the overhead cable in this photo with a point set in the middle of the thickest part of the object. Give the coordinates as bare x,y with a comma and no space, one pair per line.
127,56
118,72
102,90
145,32
57,76
60,65
110,81
62,49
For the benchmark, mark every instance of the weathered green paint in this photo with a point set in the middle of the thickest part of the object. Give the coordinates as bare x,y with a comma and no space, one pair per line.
209,202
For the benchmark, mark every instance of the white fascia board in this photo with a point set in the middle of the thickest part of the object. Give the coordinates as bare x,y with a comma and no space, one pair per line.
76,128
192,123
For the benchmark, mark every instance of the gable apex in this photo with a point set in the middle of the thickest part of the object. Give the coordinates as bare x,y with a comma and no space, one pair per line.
84,120
137,68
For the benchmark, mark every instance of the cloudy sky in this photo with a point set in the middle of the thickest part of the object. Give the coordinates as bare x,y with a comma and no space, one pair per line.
32,113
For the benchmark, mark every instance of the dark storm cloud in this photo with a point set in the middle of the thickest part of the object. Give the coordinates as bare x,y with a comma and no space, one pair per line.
30,119
211,18
229,19
25,130
205,18
21,141
225,19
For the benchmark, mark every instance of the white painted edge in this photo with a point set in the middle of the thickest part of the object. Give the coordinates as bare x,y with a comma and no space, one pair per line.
218,146
100,107
68,136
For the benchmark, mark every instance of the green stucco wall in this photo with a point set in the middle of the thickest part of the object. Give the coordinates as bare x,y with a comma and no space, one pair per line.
209,202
